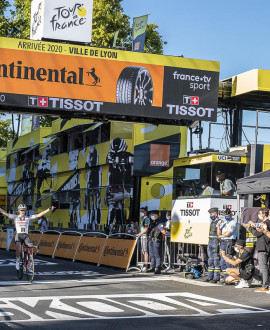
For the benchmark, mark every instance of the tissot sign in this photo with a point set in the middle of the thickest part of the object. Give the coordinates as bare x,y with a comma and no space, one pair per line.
61,20
50,78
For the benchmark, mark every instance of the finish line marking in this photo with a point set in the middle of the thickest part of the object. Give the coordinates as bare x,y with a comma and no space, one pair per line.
117,306
114,280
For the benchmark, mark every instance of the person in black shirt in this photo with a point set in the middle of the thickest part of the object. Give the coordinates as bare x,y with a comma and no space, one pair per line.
262,246
243,259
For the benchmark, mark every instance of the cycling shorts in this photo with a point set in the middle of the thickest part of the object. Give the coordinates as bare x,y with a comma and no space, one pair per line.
23,238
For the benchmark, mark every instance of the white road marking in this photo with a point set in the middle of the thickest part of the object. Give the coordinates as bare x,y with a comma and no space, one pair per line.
60,273
100,307
12,262
201,303
156,306
114,280
56,308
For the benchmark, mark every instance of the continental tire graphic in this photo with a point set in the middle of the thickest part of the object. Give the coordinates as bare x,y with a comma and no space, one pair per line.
135,86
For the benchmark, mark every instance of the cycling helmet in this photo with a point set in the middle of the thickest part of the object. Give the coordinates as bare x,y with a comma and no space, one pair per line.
22,207
118,145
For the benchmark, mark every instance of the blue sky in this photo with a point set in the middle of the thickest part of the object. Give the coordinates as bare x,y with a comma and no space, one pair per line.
233,32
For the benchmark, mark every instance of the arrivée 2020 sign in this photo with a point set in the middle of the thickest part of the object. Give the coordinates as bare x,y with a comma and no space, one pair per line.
61,79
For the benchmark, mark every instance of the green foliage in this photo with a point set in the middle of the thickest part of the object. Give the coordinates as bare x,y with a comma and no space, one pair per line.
6,132
46,121
4,21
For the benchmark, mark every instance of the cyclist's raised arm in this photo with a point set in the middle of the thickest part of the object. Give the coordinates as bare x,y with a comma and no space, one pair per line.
39,215
12,216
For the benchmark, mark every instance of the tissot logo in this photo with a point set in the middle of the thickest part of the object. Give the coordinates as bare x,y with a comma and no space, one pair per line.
190,205
194,100
227,207
43,102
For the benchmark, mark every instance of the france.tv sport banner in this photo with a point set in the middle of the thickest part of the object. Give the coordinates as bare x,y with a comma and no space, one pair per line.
139,32
62,79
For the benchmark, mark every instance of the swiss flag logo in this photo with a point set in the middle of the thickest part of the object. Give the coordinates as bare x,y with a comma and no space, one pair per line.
43,101
190,205
195,100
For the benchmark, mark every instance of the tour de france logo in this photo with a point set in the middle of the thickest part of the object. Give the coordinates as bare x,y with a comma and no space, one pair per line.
66,17
188,232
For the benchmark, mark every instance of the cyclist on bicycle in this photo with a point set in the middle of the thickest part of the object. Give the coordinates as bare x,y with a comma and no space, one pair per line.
22,224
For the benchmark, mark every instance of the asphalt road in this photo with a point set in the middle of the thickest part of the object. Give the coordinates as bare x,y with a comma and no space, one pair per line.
73,295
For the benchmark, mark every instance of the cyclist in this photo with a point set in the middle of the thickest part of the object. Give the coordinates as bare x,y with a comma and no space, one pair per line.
22,225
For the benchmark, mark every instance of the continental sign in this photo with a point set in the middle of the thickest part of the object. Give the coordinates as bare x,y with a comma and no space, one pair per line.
90,248
3,240
51,78
67,246
47,244
117,253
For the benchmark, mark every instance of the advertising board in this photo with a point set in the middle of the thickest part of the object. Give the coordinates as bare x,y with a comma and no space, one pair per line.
61,20
190,218
61,79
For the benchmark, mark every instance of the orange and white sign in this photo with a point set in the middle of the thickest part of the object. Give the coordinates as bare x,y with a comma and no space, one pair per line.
35,238
47,244
49,78
67,246
117,252
3,240
90,249
160,155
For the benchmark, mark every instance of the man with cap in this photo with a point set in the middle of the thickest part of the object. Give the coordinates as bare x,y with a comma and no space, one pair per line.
243,259
227,233
156,233
213,273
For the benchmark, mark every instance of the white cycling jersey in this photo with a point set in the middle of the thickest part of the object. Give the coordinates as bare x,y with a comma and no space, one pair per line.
21,224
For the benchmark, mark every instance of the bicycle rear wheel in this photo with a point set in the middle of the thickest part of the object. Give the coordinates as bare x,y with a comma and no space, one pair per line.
30,269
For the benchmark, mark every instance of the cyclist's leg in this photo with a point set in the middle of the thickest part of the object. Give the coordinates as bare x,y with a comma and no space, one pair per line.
29,243
18,250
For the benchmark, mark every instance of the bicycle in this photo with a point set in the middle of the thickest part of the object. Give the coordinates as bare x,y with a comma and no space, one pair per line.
26,263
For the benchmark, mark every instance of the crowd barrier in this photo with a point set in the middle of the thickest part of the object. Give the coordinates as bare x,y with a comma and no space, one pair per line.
110,250
115,250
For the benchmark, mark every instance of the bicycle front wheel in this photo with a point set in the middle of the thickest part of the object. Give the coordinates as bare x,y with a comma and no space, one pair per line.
30,269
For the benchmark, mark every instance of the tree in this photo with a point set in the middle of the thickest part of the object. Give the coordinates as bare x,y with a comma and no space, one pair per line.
6,132
4,21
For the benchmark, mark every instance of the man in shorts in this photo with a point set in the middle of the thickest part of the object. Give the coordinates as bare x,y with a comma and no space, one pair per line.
145,222
22,226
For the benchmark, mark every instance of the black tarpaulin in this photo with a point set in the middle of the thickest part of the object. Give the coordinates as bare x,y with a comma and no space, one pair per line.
255,184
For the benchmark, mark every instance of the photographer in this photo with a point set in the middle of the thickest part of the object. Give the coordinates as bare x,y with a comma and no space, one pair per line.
243,259
262,245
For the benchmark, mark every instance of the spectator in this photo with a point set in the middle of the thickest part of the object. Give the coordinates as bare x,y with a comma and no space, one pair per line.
213,273
132,228
227,232
156,231
145,222
168,240
42,222
262,245
243,259
206,189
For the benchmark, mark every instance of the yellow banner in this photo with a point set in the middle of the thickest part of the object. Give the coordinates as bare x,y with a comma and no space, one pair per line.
47,244
67,246
3,240
90,249
117,252
35,238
